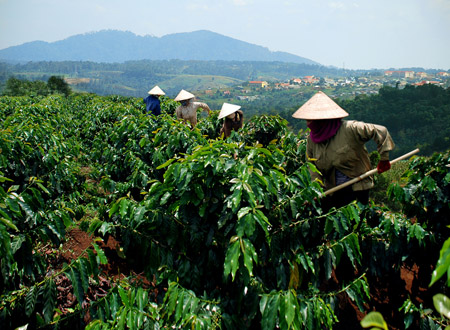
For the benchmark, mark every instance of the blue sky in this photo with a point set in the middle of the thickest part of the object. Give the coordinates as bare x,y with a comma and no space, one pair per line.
355,34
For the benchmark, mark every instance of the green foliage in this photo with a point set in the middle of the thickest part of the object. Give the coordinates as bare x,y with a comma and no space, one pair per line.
39,301
443,264
384,180
26,219
441,302
232,228
58,85
426,195
19,87
132,308
374,320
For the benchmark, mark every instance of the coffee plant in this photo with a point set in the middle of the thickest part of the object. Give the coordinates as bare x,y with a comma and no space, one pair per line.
227,233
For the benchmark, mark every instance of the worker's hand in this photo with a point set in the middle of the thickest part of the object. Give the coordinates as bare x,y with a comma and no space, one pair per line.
383,166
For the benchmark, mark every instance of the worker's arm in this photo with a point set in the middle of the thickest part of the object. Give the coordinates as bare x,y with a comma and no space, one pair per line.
204,106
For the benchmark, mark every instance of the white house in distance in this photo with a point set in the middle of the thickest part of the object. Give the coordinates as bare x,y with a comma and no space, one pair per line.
400,74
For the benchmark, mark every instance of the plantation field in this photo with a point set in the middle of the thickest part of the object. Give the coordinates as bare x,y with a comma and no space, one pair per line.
110,218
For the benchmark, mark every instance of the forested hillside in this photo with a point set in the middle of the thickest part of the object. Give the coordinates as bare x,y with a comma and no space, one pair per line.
112,219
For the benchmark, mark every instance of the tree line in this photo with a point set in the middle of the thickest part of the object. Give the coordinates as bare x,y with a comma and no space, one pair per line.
22,87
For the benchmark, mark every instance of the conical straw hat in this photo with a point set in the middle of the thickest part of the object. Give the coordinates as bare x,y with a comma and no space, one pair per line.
228,109
156,91
184,95
320,106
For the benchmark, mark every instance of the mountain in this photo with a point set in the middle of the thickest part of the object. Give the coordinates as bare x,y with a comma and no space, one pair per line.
109,46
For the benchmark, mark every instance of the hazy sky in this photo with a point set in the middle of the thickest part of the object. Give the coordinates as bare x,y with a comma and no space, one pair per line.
355,34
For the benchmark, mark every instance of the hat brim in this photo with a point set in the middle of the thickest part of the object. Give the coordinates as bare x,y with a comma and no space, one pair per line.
184,95
156,91
228,109
320,106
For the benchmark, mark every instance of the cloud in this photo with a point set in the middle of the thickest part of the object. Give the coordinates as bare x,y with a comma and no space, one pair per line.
242,2
197,6
336,5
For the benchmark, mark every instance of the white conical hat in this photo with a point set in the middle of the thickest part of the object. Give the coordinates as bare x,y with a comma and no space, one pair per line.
320,106
184,95
228,109
156,91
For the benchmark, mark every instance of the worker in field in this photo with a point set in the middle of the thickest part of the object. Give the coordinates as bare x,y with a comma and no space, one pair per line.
188,108
337,148
234,118
152,102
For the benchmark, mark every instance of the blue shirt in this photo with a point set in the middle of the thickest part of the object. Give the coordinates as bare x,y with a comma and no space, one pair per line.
152,105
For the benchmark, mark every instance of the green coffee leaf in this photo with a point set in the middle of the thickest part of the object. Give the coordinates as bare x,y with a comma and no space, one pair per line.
374,320
442,304
232,259
49,300
30,301
101,257
290,307
269,309
170,161
248,251
9,223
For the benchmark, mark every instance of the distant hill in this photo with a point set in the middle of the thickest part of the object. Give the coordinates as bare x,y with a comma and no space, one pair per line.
112,46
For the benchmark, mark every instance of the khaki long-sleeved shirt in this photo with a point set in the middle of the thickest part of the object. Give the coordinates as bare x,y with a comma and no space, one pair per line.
346,152
189,111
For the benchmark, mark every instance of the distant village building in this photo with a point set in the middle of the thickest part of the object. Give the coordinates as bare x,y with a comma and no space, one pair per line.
421,75
427,82
310,79
443,74
282,85
330,82
399,74
262,84
409,74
